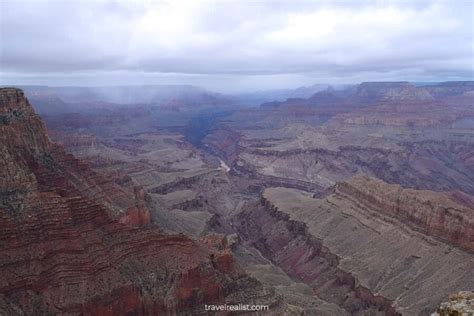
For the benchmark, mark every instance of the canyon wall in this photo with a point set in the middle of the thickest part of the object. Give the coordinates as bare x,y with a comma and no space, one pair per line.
390,253
433,213
356,201
63,252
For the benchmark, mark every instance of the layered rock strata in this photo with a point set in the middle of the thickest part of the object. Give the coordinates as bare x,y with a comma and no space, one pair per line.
433,213
62,252
396,252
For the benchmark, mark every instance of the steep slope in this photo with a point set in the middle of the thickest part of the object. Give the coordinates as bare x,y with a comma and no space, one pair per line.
290,246
433,213
388,239
62,252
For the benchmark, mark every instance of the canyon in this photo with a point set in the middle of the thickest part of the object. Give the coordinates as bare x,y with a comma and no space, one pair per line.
350,201
73,242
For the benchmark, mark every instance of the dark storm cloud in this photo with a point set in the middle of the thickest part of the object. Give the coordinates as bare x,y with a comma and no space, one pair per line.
242,41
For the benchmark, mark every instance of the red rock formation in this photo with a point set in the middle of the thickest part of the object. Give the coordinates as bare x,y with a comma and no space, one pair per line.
370,92
383,103
223,260
435,213
225,143
137,215
288,245
62,253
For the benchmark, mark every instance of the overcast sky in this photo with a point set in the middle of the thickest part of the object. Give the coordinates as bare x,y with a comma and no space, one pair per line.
234,45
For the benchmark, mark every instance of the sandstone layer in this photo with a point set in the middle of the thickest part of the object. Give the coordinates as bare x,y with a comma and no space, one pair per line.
387,250
64,253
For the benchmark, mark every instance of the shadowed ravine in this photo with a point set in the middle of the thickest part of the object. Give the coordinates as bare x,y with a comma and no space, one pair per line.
201,125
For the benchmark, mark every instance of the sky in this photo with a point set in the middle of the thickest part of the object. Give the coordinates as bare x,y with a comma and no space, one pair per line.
234,46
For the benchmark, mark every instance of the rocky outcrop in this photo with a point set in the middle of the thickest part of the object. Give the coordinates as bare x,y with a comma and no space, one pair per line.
402,104
288,245
14,112
241,168
433,213
180,182
387,255
450,88
406,114
225,143
64,253
138,214
430,164
459,304
372,92
382,103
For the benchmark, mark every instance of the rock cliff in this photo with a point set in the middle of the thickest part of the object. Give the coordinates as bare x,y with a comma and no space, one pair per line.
289,245
365,227
433,213
64,253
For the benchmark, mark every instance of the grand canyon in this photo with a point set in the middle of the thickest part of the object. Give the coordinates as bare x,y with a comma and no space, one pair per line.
353,201
251,157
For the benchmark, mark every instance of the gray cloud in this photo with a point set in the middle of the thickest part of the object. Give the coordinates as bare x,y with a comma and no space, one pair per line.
232,45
